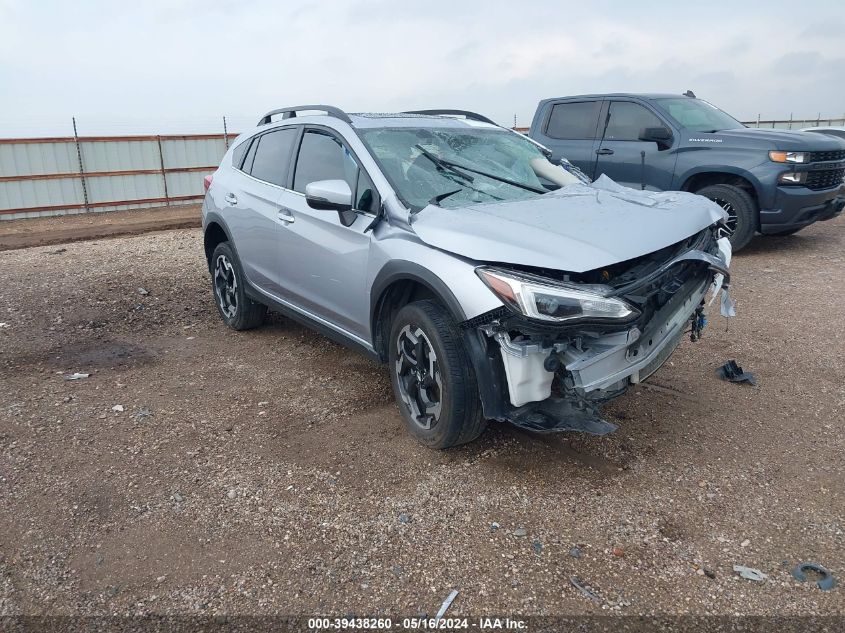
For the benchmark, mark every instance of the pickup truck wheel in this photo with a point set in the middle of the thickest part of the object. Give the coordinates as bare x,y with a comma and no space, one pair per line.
432,377
741,210
237,310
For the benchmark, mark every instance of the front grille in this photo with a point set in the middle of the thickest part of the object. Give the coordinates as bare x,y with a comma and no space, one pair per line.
825,178
835,154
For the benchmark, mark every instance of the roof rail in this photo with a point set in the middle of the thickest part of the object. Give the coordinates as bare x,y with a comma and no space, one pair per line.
288,113
474,116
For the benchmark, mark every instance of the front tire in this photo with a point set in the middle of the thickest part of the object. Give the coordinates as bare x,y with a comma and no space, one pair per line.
432,377
228,284
741,209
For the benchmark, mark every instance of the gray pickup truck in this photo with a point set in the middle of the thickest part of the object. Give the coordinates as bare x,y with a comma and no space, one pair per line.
774,182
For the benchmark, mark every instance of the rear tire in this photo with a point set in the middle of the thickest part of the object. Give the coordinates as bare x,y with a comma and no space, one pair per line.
432,377
228,285
741,208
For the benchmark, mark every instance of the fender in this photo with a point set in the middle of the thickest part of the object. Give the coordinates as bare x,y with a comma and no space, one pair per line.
401,270
682,178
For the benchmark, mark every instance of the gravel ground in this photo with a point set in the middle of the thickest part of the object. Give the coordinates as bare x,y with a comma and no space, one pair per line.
201,470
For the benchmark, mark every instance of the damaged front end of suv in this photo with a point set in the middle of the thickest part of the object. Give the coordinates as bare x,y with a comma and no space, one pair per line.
566,343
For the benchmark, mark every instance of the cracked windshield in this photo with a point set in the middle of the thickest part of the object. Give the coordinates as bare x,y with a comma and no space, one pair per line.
454,167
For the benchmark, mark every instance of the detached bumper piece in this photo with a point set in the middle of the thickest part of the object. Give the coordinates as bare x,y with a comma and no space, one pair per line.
555,415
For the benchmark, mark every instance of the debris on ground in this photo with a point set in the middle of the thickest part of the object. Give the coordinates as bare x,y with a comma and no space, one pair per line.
494,526
446,603
404,518
4,325
618,552
575,552
76,376
537,546
143,292
118,408
732,372
143,412
58,251
520,531
826,582
584,589
749,573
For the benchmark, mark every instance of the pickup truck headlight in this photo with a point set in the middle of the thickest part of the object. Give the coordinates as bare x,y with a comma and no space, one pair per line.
789,157
547,301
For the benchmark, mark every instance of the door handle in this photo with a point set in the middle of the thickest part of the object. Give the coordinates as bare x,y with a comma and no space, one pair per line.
231,198
286,216
604,151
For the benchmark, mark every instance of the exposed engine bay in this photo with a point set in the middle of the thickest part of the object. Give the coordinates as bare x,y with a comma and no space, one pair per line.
555,376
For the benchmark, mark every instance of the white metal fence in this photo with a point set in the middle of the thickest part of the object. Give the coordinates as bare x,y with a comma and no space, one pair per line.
57,176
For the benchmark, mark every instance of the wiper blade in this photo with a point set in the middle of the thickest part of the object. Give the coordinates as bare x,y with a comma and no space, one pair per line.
442,164
442,196
507,181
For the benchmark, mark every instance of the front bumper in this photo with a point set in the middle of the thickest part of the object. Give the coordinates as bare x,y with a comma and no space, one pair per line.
796,207
548,378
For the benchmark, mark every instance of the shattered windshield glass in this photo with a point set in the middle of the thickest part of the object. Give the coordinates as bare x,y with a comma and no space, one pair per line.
454,167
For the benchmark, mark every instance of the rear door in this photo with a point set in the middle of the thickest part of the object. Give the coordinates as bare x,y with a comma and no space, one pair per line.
569,130
626,159
253,205
324,254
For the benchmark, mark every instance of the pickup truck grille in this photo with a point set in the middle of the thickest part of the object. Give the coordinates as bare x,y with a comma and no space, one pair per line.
825,178
835,154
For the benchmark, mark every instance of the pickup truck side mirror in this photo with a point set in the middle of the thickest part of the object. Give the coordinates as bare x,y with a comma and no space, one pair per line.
660,135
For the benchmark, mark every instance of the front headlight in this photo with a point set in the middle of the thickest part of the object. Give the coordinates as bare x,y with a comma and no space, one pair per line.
551,302
790,157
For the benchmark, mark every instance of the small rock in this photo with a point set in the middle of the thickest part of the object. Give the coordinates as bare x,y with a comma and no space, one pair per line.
709,572
143,292
112,590
618,551
520,531
161,579
118,408
232,493
178,498
404,518
575,552
745,543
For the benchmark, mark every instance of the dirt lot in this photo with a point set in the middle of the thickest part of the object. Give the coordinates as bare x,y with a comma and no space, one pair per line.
267,472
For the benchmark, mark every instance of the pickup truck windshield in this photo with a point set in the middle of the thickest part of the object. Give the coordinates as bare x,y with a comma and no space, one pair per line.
697,115
471,165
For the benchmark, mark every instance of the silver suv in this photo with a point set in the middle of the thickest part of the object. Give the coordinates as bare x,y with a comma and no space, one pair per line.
494,284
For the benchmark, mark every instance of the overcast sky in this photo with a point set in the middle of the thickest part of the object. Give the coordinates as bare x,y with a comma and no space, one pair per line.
180,65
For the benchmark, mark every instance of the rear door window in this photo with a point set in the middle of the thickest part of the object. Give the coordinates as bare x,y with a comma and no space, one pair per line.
576,120
239,152
272,156
628,120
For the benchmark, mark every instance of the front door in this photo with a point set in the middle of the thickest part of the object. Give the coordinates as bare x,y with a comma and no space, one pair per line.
626,159
324,254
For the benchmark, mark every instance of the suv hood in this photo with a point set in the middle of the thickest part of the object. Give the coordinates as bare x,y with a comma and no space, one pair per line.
575,229
780,139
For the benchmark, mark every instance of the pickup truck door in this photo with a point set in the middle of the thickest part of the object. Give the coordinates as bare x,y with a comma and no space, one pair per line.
628,160
570,130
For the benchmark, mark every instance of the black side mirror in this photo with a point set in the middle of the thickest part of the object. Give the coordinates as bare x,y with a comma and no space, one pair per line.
660,135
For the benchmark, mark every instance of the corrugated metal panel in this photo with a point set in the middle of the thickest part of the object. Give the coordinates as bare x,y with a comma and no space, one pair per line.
41,176
22,159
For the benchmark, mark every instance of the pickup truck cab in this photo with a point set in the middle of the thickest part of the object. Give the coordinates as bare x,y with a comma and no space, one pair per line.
774,182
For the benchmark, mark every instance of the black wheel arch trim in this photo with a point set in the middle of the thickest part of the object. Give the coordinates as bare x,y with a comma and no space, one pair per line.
401,270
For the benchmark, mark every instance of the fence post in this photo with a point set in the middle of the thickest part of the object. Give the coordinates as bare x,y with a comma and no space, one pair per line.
225,133
163,173
81,167
790,120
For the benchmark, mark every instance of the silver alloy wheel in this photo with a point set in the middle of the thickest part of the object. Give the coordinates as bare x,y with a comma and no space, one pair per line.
418,375
732,220
226,286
